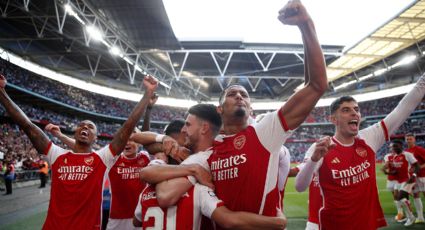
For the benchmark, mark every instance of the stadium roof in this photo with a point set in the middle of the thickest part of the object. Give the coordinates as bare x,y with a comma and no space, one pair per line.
114,43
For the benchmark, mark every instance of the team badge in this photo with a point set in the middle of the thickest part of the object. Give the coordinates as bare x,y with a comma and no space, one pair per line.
239,142
361,151
89,160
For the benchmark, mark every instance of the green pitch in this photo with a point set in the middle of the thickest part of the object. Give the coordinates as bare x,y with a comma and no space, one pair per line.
295,209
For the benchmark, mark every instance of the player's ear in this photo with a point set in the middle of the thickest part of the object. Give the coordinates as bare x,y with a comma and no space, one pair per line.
332,119
219,109
205,127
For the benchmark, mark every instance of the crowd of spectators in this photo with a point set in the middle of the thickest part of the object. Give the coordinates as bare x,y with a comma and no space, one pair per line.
80,98
16,146
368,108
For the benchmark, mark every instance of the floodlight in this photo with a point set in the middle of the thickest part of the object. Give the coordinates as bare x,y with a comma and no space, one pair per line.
94,33
116,51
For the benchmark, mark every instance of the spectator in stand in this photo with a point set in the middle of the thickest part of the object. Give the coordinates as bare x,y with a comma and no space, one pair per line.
9,176
43,172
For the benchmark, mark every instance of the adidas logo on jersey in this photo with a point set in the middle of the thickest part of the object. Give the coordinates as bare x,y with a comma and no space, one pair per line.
335,161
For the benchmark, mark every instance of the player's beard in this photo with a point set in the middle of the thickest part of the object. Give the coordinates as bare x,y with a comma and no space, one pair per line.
241,113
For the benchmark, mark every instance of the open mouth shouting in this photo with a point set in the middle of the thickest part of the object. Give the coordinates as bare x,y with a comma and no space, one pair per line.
353,124
84,133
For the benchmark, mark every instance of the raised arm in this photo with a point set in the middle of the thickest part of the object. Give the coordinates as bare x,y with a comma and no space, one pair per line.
121,136
300,104
406,106
245,220
147,118
56,132
38,138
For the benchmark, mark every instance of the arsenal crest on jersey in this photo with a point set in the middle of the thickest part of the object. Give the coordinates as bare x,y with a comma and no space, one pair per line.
239,142
89,160
361,151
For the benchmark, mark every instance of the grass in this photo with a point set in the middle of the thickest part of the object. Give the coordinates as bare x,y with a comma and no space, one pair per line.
32,222
295,209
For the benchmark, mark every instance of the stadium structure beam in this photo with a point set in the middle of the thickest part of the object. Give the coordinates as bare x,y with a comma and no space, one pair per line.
180,71
3,11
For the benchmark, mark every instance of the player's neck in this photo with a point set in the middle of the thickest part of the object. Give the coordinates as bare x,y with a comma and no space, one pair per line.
203,145
233,126
410,146
344,139
78,148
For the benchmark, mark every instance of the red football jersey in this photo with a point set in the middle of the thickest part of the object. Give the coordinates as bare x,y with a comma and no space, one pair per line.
76,193
245,166
315,199
185,215
401,163
389,158
125,185
419,154
347,179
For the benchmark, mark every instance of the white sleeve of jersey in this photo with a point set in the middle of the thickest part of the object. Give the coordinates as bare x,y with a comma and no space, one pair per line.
375,135
307,156
200,158
271,132
284,167
138,210
207,200
406,106
306,173
54,152
410,157
106,155
381,131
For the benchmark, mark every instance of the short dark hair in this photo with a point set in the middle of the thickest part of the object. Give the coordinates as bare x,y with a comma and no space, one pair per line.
397,145
224,92
175,126
337,102
208,113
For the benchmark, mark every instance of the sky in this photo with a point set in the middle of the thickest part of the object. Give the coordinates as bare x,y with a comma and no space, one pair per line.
338,22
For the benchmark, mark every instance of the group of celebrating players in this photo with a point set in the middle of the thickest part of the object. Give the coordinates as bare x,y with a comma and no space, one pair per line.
234,174
406,175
